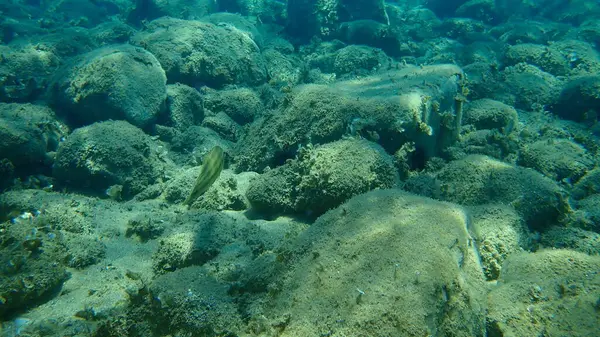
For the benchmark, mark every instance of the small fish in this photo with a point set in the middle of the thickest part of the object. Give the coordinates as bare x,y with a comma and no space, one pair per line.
212,166
114,192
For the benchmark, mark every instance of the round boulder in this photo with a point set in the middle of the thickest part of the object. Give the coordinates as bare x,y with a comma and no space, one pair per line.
105,154
579,99
323,177
184,105
200,53
487,114
29,133
558,159
117,82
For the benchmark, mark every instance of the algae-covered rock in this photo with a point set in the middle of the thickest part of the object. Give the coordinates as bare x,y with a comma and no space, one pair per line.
335,172
184,105
180,9
194,52
384,254
550,60
273,192
83,251
526,85
579,99
588,185
191,301
198,140
316,113
242,105
548,292
586,214
30,134
479,180
32,263
26,72
222,124
358,60
374,34
243,23
573,238
559,159
201,239
117,82
412,104
101,155
501,232
323,177
285,68
311,17
490,114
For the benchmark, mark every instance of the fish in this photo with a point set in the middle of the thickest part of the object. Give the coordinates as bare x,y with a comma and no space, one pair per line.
114,192
212,165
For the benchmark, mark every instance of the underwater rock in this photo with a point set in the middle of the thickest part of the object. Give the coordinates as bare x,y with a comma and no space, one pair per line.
372,33
224,126
243,105
104,154
243,23
323,177
417,104
191,301
213,55
383,254
526,295
501,232
30,134
117,82
586,214
307,18
579,99
184,106
480,180
181,9
285,69
83,251
358,60
26,72
526,86
199,240
588,185
489,114
549,59
573,238
31,264
559,159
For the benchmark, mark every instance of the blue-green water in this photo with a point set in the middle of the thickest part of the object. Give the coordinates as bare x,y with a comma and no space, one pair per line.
299,168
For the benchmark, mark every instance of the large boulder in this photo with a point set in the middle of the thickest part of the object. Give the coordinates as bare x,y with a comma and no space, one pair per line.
579,99
551,292
25,72
30,134
385,263
118,82
200,53
105,154
419,105
479,180
323,177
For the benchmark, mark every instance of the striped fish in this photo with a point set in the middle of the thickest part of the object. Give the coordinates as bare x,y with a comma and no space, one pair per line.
212,166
